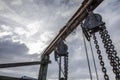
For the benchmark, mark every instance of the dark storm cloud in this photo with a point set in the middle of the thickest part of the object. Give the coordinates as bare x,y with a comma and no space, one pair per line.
14,51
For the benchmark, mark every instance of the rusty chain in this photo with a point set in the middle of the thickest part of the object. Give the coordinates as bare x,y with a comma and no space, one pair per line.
106,77
112,54
66,67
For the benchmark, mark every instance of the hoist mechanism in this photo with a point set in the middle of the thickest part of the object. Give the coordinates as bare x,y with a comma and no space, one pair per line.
61,49
72,24
93,24
60,52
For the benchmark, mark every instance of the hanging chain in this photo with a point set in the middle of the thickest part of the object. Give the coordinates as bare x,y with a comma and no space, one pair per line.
66,67
93,23
106,77
112,54
60,69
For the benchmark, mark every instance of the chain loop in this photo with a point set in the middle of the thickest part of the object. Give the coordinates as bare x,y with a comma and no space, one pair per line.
112,54
66,66
106,77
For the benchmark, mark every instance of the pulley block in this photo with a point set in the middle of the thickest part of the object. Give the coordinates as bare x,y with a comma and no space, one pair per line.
93,23
61,50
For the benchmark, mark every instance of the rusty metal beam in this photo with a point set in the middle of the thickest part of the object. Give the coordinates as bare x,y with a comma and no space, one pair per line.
9,65
76,19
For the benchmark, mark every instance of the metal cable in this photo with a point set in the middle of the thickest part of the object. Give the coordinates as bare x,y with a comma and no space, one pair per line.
94,61
87,57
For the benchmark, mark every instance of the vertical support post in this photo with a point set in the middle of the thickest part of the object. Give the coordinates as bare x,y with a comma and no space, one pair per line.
43,68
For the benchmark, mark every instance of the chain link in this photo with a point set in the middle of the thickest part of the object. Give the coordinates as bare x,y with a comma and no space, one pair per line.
112,54
106,77
66,66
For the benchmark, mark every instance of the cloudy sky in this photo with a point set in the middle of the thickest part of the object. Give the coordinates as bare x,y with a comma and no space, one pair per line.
28,26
